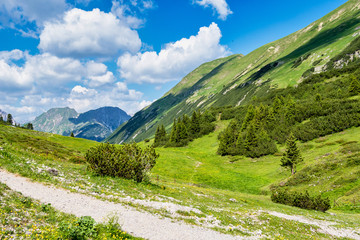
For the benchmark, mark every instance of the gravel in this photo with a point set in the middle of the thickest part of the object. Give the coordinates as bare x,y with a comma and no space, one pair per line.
137,223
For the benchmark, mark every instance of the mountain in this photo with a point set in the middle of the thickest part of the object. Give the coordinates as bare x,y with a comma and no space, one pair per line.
3,114
94,124
55,120
237,79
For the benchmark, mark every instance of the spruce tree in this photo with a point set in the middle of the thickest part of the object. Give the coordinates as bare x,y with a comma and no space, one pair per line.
248,117
194,128
291,156
1,118
160,136
72,134
354,88
173,134
9,119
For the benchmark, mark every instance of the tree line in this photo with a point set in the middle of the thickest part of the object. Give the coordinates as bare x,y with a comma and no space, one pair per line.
185,129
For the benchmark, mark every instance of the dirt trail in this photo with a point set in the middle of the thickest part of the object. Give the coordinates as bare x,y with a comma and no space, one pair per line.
140,224
324,226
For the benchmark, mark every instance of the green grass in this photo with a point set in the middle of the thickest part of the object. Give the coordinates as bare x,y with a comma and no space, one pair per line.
227,194
24,218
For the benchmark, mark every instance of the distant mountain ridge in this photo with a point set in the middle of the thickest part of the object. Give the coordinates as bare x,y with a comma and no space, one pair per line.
237,79
93,125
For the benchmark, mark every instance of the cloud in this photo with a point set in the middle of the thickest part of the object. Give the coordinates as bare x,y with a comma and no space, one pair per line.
175,60
88,34
15,54
45,72
220,6
83,99
14,12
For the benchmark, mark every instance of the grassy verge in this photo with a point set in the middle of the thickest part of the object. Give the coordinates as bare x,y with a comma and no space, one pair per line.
24,218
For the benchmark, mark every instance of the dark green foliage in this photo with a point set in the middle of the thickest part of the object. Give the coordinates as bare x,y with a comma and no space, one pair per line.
313,109
1,118
291,156
317,62
301,200
72,134
354,88
160,136
127,161
9,119
186,129
251,139
29,126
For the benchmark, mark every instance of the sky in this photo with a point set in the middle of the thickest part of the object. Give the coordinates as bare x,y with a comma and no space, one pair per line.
87,54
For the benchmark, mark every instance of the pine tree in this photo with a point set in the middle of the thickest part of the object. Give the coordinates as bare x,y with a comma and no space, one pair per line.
292,155
160,136
354,88
9,119
72,134
248,117
1,118
173,134
277,105
194,128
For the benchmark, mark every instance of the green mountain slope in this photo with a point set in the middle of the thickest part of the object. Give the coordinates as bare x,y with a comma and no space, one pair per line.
235,80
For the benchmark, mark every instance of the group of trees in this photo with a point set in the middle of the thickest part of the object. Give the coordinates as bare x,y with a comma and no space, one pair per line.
9,119
185,129
309,111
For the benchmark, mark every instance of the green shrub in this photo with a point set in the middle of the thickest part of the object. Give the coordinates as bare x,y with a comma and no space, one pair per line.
301,200
127,161
82,229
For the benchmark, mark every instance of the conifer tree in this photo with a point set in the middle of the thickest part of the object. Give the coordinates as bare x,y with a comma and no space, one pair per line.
292,155
160,136
248,117
72,134
173,134
1,118
9,119
194,128
277,104
354,87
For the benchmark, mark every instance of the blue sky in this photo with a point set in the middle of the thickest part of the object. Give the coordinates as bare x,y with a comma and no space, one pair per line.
87,54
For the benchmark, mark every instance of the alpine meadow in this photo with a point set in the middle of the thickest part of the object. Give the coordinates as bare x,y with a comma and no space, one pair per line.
258,146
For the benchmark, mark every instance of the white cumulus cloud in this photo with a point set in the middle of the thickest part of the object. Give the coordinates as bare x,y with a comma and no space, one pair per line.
14,12
220,6
175,60
88,34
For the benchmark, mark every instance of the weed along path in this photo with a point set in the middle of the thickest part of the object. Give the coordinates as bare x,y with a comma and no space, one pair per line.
140,224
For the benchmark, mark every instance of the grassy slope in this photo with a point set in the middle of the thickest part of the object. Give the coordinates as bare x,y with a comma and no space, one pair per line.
192,176
219,83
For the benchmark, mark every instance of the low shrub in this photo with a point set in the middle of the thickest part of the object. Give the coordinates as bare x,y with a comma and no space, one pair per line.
301,200
127,161
83,229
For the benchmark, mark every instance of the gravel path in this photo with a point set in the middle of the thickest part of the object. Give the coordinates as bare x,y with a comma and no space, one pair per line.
140,224
324,226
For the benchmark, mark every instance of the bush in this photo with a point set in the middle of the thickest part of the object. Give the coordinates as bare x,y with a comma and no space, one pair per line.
127,161
82,229
301,200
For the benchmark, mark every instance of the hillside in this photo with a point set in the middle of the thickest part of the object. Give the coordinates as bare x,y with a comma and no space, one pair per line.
236,79
195,185
94,124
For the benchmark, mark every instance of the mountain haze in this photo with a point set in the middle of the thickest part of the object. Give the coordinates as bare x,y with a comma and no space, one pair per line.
236,79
